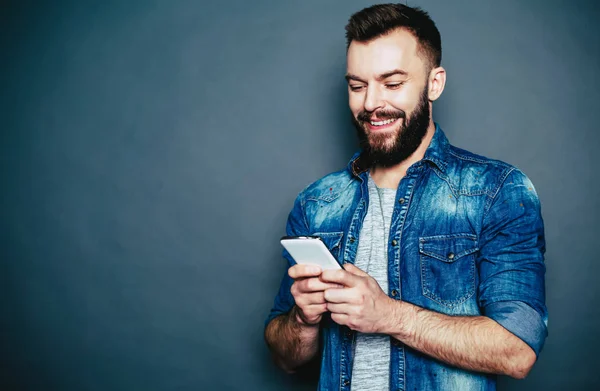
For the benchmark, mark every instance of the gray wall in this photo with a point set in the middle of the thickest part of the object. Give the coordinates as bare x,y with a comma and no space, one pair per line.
151,150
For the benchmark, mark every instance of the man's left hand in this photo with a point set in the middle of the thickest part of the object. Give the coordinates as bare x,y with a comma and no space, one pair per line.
361,304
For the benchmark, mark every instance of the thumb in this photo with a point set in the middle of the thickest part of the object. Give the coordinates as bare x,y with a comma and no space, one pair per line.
350,268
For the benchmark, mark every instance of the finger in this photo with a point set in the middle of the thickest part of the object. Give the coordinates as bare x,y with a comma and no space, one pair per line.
341,319
310,299
340,276
310,313
314,309
349,267
301,271
314,284
338,295
342,308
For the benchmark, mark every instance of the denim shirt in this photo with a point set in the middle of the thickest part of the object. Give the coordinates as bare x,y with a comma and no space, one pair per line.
466,238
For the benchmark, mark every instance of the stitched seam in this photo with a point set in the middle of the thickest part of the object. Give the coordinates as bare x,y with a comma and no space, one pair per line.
401,230
470,158
456,192
303,210
448,237
443,177
329,198
492,197
361,206
427,292
444,259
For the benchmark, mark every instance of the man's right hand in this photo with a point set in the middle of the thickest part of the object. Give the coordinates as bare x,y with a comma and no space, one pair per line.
308,291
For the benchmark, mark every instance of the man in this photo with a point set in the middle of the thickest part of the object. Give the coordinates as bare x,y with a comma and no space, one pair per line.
443,280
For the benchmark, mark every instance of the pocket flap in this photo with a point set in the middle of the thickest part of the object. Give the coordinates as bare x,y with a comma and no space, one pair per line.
331,239
448,248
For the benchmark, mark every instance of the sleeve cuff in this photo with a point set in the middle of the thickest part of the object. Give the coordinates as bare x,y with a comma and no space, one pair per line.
521,320
284,301
272,315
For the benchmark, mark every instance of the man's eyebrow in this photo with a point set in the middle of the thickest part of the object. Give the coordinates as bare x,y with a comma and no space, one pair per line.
350,76
392,73
383,76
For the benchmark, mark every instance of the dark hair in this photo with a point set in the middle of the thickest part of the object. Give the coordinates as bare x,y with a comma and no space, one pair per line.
381,19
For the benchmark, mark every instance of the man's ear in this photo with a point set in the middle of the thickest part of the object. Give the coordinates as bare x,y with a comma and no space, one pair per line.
437,81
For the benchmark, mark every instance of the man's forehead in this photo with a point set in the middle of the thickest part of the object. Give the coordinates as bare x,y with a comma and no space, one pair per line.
396,50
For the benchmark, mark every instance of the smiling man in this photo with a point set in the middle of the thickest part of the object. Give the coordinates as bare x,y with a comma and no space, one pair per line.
442,249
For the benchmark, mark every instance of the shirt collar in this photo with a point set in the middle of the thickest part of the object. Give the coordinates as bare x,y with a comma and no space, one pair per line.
436,153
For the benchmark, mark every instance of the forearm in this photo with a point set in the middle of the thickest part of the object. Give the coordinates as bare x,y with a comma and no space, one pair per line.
292,343
475,343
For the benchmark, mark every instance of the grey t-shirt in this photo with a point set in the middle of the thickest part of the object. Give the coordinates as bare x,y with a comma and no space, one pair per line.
371,368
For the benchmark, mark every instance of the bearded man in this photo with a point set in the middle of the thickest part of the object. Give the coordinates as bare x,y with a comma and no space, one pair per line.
442,286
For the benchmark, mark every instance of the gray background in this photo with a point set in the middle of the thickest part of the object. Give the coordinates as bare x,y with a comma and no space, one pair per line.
151,150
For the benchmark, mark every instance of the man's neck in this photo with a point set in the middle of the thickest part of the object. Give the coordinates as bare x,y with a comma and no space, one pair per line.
390,177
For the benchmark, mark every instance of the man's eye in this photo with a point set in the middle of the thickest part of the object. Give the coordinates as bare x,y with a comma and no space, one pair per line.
394,86
356,88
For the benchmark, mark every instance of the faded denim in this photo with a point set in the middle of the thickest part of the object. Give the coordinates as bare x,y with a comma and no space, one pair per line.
467,238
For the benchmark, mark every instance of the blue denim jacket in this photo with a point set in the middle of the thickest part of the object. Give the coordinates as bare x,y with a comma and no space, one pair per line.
466,238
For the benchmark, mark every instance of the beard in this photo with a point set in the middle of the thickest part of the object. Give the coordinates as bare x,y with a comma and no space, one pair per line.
385,149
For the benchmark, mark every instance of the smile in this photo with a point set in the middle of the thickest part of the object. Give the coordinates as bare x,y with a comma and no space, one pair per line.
381,123
381,126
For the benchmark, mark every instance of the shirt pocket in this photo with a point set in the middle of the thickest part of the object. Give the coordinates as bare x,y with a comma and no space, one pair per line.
448,267
333,241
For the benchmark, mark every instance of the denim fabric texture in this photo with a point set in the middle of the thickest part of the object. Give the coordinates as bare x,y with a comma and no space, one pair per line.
466,238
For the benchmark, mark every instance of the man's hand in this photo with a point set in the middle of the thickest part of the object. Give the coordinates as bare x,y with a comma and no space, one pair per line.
308,291
360,304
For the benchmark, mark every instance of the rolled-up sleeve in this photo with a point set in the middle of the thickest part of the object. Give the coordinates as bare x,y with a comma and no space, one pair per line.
296,226
511,261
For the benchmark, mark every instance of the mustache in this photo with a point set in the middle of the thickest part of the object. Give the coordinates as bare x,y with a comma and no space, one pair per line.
365,116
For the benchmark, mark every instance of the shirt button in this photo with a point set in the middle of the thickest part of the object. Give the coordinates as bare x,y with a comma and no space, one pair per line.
451,256
346,383
352,240
394,242
394,292
401,200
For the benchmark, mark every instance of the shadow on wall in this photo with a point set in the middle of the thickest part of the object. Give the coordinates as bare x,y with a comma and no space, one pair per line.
344,130
442,110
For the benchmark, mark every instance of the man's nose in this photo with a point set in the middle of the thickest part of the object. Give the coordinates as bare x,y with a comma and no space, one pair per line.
373,99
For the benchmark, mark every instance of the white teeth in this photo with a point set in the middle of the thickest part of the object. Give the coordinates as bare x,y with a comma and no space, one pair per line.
379,123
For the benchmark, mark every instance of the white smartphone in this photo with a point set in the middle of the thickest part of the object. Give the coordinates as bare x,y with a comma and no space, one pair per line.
310,250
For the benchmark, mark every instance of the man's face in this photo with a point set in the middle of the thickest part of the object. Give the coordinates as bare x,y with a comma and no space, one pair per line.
387,88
